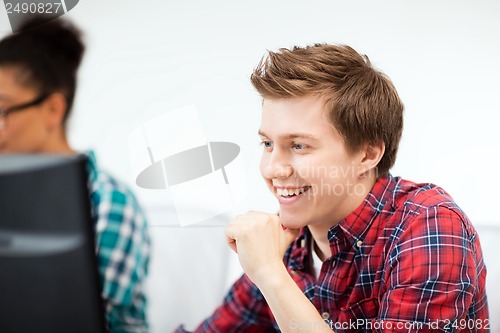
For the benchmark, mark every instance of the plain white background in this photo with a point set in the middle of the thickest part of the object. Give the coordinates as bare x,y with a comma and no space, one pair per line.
442,57
148,57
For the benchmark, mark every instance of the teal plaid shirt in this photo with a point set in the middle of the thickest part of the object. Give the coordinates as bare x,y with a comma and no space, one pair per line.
123,247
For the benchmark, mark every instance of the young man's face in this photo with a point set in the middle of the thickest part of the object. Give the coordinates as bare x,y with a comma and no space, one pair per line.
24,131
305,163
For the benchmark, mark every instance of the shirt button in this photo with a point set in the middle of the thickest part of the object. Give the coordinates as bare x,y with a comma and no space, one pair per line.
333,263
359,243
302,242
325,315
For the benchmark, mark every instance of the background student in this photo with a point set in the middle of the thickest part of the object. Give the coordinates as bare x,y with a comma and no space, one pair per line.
38,76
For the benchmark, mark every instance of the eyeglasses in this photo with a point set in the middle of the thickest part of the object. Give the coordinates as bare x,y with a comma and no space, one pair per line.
6,111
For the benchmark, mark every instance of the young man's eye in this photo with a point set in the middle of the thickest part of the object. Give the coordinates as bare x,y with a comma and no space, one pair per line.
299,146
267,144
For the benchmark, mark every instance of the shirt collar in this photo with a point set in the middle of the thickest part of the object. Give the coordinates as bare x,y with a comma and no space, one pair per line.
299,250
353,227
356,224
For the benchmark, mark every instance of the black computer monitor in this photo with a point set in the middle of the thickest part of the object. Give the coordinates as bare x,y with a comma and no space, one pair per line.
48,271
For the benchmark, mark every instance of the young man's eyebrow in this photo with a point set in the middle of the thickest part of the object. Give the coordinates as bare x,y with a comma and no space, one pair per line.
293,135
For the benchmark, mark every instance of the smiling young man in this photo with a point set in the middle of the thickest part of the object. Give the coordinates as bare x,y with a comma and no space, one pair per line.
353,248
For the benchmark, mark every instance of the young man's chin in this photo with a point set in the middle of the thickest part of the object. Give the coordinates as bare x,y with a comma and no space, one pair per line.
292,221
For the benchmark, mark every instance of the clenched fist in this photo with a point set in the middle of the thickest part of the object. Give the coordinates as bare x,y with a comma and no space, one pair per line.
260,242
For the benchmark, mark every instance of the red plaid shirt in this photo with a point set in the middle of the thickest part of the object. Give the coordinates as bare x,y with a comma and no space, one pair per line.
407,260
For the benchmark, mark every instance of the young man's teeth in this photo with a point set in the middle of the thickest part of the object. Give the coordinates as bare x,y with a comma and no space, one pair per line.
288,192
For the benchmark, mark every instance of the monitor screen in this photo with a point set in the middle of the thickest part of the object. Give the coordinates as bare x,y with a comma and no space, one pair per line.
48,271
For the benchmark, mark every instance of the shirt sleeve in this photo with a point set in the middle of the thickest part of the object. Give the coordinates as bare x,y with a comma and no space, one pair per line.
436,272
122,245
244,311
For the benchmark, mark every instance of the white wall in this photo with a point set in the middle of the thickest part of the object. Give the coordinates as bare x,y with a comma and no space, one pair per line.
441,55
147,57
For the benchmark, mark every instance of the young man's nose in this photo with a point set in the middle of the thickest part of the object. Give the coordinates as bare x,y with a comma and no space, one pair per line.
278,166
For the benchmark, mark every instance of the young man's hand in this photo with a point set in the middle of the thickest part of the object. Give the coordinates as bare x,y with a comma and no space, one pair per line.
260,241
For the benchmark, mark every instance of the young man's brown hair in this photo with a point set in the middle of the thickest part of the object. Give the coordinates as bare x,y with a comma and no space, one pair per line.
364,105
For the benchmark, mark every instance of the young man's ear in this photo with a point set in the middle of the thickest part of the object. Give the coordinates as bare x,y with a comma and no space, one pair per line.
55,109
370,156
